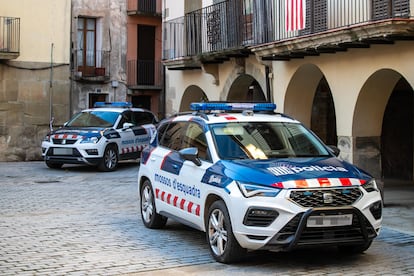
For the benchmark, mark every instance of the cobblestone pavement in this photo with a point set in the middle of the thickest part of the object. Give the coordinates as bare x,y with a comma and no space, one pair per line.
77,221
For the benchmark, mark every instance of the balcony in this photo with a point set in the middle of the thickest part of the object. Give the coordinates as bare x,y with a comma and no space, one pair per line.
144,7
91,66
144,74
208,36
9,37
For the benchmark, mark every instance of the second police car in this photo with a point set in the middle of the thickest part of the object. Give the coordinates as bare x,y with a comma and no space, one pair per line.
253,180
100,136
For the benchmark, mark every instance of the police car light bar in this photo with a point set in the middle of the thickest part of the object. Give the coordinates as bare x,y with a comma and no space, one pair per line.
208,106
113,104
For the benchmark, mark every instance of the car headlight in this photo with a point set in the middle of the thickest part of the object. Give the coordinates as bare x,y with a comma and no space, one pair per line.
370,186
250,190
46,138
93,140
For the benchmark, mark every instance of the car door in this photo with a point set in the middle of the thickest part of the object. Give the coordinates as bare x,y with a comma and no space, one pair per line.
189,185
126,145
177,183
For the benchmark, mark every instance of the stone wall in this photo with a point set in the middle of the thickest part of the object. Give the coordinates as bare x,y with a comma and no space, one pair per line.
25,107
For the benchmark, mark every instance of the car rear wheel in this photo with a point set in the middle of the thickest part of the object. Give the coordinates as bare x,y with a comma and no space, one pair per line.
148,210
110,159
54,165
223,245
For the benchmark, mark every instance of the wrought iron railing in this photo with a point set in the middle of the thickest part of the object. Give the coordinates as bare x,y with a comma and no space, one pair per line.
233,25
144,73
9,34
144,6
89,63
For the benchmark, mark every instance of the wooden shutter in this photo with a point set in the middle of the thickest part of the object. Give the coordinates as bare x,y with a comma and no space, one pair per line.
316,17
401,8
381,9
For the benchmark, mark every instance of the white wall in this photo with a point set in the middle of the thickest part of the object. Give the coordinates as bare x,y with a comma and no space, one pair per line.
42,22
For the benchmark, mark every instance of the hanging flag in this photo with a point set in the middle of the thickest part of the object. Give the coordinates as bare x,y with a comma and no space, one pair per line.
295,12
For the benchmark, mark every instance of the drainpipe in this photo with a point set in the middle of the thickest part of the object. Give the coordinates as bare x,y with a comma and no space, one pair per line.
51,118
268,90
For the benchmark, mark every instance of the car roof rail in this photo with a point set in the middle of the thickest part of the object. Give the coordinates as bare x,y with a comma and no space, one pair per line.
113,104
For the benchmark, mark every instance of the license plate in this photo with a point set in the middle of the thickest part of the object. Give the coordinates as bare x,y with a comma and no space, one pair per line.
330,220
62,151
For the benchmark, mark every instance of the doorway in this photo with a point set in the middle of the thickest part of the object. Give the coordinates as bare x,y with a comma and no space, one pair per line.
141,102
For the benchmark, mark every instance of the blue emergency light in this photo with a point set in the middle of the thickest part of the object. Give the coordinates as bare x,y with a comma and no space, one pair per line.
113,104
209,106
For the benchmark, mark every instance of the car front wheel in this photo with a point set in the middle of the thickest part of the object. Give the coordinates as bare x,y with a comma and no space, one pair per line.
223,245
148,211
110,159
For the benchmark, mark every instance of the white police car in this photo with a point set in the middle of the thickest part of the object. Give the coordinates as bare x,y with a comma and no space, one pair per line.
100,136
254,180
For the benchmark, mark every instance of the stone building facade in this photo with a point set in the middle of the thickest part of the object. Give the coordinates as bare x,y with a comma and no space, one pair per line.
34,74
98,52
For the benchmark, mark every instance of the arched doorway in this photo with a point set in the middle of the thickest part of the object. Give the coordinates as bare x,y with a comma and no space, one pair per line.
381,144
309,99
246,89
192,94
323,120
397,134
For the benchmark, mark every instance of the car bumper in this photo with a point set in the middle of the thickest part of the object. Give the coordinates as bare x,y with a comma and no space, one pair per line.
288,227
71,155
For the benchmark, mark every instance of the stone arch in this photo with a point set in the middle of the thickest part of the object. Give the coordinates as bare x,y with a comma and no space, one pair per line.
397,140
247,89
323,117
309,99
193,93
301,92
368,121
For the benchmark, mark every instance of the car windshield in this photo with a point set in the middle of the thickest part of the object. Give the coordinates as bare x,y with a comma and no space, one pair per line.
265,140
93,119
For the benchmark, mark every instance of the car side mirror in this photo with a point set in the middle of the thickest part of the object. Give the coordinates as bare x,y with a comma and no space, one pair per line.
127,125
334,150
190,154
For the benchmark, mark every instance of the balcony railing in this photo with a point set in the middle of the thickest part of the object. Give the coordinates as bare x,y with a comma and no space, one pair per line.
144,7
91,65
9,37
144,73
230,26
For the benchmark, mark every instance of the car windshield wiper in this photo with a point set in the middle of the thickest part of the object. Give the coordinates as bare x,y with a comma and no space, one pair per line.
313,155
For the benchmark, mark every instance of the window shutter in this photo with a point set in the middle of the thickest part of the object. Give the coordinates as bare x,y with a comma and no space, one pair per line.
316,17
320,10
381,9
401,8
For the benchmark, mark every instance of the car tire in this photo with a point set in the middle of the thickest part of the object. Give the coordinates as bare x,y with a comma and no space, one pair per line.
54,165
109,160
149,215
355,249
223,245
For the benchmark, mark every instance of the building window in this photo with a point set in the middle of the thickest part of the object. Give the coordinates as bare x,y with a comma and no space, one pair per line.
86,40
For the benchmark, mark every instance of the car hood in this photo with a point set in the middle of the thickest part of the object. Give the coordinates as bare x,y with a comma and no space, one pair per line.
77,132
287,173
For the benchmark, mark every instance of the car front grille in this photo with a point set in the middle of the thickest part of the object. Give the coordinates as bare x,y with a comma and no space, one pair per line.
63,141
312,198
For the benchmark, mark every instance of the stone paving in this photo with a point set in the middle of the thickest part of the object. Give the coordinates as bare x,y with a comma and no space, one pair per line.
78,221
